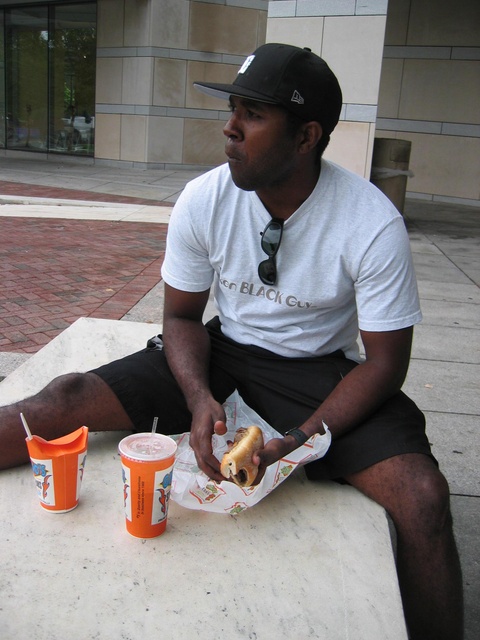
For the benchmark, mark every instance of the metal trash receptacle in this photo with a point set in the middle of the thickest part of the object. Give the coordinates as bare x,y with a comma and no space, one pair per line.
390,162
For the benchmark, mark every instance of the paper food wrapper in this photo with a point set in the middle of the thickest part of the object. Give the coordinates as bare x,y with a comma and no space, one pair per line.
193,489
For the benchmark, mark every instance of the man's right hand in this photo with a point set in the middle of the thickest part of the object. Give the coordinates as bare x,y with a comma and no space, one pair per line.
207,419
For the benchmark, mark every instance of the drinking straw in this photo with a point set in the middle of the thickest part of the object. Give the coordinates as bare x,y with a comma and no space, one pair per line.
154,428
29,434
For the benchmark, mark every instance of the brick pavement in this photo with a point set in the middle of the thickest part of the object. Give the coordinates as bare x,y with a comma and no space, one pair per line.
54,271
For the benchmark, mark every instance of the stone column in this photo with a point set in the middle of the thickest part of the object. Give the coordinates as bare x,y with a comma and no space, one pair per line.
349,35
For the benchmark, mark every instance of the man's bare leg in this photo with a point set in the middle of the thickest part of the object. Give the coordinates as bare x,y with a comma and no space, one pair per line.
415,494
68,402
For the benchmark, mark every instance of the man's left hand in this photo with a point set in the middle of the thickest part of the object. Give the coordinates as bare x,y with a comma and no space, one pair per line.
274,450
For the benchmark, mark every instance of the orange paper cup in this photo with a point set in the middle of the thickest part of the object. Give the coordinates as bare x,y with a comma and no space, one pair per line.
58,467
147,470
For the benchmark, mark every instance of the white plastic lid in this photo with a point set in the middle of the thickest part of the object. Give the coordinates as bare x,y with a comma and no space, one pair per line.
147,446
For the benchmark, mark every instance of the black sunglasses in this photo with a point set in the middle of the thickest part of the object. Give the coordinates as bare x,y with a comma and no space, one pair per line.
270,243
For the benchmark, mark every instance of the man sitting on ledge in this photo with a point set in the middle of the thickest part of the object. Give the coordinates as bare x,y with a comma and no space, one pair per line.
302,255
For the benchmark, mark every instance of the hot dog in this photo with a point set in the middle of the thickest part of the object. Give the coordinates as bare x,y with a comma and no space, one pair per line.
237,463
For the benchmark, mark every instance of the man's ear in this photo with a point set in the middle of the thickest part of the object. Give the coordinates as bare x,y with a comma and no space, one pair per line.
311,133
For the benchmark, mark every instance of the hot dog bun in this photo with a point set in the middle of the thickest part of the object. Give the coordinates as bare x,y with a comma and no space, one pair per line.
237,463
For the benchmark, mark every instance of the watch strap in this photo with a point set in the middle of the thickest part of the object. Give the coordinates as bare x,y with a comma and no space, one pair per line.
299,435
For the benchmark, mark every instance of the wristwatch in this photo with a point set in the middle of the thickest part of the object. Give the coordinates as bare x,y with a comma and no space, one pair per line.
298,434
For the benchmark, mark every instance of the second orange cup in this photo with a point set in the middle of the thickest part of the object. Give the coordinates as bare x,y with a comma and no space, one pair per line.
147,470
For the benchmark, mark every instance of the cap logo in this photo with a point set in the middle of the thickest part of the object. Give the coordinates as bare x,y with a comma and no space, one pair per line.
297,98
246,64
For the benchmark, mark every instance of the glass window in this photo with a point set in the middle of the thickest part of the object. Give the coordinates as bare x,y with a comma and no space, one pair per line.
26,77
49,97
3,113
72,78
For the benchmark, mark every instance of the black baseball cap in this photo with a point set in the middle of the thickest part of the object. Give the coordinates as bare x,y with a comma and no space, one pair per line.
295,78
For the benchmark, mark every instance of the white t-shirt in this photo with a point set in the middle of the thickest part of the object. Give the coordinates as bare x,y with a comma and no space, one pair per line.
344,263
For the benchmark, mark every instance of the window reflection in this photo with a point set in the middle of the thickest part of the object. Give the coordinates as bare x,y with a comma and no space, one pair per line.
72,79
27,77
3,111
49,98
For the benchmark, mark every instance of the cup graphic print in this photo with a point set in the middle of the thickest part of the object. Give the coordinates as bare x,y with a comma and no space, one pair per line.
58,467
147,469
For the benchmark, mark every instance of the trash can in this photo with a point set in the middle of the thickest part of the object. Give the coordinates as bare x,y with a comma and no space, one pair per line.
390,170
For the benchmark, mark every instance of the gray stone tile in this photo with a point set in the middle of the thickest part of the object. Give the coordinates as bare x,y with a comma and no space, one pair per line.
451,291
58,170
29,177
471,262
433,258
444,271
417,210
149,308
173,198
135,190
465,511
128,178
171,182
444,313
465,247
452,344
469,265
116,174
187,175
474,275
419,243
454,441
71,182
447,387
446,217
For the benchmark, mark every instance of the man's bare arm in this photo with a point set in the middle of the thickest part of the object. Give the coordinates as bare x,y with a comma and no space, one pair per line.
187,348
359,393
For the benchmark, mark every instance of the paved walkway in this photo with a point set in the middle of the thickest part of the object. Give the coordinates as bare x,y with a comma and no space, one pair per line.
19,192
83,257
79,179
55,271
78,239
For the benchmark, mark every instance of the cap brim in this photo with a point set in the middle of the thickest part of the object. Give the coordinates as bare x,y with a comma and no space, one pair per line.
224,91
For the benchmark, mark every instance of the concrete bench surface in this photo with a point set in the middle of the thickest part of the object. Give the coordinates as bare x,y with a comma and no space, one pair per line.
312,560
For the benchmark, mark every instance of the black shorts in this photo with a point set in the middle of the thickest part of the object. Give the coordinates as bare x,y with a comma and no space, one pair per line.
284,391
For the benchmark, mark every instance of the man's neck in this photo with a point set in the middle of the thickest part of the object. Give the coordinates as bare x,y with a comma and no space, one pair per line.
282,200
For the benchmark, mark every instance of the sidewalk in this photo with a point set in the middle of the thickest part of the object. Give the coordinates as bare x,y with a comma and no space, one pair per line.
100,268
82,240
76,179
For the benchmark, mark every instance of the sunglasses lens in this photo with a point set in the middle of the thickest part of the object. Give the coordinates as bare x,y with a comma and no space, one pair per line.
267,271
270,243
271,238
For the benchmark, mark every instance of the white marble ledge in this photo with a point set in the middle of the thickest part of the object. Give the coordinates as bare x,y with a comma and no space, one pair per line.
87,343
312,560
